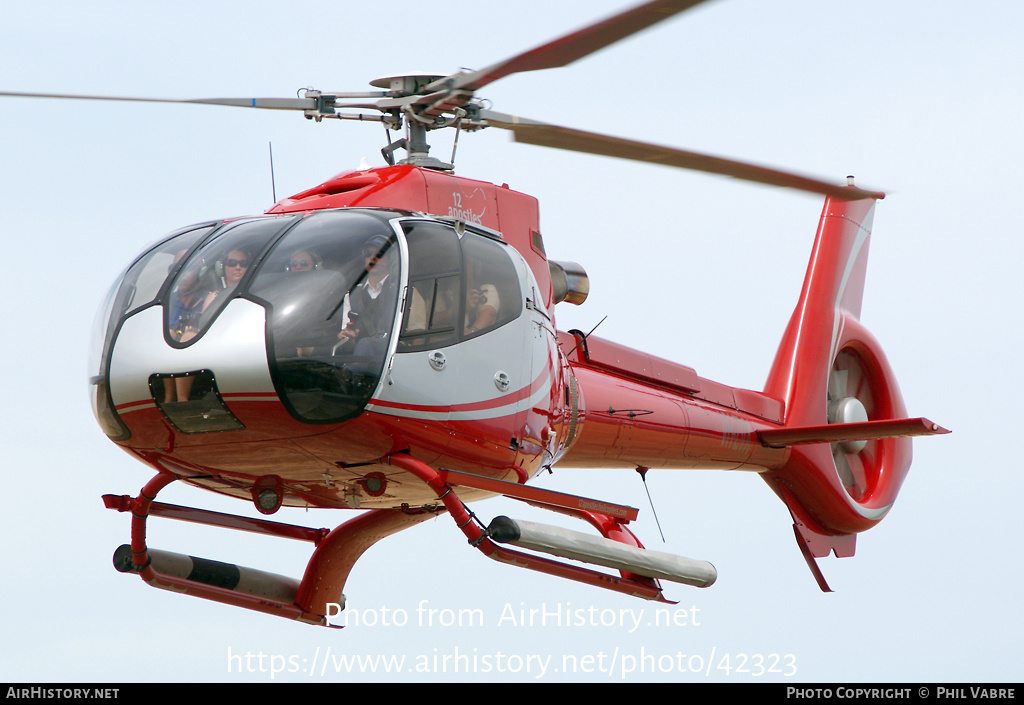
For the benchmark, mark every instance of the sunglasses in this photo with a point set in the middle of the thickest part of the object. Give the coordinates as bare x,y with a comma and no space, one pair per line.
301,263
236,263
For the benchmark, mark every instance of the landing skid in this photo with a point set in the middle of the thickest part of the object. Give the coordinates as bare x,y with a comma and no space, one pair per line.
319,594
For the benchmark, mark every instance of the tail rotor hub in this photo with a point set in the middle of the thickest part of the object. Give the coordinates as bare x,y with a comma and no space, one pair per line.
848,410
851,399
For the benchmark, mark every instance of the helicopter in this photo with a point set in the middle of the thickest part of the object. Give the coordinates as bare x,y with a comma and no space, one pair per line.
260,398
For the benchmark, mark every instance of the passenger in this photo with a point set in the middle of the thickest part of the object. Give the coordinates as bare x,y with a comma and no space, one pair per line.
187,301
303,261
482,306
236,264
482,302
187,304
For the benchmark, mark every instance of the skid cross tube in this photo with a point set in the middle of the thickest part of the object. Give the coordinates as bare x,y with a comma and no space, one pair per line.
313,600
142,563
226,521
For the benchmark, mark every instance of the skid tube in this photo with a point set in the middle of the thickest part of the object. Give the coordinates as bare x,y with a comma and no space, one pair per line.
310,600
628,584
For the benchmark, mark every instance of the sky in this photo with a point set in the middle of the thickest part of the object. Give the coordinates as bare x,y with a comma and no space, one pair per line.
697,269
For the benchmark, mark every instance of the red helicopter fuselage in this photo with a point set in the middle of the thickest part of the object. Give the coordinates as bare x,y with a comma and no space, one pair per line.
261,394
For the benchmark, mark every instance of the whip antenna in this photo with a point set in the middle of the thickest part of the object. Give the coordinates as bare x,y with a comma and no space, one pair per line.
643,476
273,186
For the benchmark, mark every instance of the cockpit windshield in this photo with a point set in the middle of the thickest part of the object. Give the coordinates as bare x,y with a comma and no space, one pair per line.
330,286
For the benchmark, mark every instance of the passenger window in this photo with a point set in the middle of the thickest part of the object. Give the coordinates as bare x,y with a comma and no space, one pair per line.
432,300
210,277
458,287
492,287
144,279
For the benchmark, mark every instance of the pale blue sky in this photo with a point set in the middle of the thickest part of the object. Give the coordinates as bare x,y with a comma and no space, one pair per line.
925,104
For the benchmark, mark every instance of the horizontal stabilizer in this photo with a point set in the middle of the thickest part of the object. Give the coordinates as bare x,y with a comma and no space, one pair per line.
840,432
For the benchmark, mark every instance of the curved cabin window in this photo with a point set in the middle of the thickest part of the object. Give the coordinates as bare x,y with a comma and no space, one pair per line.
459,287
330,286
137,287
432,299
212,275
143,280
493,297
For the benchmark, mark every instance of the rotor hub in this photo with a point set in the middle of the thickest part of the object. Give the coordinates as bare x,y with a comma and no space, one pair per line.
848,410
406,85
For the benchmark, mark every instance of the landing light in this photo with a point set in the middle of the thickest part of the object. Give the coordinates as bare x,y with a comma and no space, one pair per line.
267,501
375,484
268,494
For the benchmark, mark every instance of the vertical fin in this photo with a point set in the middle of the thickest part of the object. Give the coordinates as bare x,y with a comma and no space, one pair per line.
831,298
826,354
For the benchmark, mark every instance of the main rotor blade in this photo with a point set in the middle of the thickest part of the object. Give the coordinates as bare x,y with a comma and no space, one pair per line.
567,49
266,103
543,135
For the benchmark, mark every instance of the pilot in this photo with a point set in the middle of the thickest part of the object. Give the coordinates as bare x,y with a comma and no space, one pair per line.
369,307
